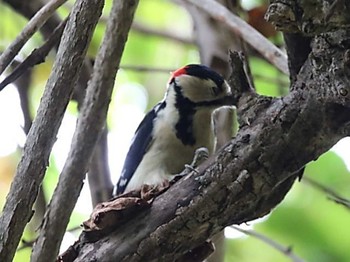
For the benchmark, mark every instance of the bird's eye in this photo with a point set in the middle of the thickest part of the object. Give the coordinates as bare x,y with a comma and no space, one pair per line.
214,90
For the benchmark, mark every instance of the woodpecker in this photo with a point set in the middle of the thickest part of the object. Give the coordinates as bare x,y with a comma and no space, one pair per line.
168,136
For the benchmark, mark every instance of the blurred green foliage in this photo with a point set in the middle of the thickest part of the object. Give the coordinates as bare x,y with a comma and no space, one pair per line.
315,227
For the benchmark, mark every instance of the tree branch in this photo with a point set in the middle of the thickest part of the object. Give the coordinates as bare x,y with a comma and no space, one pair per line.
149,31
100,181
251,174
244,30
147,69
287,251
30,171
37,56
22,84
309,17
28,9
332,195
214,39
90,123
32,26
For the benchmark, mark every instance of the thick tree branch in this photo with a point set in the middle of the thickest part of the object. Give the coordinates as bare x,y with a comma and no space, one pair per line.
22,84
90,123
31,169
214,39
29,9
252,174
309,16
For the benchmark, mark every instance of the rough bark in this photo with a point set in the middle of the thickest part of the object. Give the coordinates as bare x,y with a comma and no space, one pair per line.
89,126
22,85
252,174
309,17
214,40
98,175
31,169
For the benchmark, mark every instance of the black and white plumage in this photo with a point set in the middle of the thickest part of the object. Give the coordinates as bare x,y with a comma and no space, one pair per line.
168,136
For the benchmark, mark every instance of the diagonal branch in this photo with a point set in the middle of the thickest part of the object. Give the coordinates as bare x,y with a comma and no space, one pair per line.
33,25
89,126
36,57
99,176
251,174
22,84
287,251
31,169
244,30
99,163
334,196
150,31
140,68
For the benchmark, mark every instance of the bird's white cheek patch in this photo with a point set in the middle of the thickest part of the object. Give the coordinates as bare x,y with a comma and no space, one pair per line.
195,89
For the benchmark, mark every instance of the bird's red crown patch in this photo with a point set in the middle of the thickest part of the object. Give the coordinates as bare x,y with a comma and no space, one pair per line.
179,71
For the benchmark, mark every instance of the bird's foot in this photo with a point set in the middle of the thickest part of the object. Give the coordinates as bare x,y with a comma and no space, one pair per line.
200,155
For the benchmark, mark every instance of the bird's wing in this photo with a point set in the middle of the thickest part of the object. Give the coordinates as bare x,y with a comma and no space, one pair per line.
139,146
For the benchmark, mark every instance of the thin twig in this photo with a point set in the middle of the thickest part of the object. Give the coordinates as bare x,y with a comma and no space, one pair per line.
272,80
332,195
287,251
30,243
36,57
147,30
99,175
337,4
147,69
244,30
25,244
28,31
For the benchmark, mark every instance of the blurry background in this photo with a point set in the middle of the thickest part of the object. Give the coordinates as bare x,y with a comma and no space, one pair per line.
309,220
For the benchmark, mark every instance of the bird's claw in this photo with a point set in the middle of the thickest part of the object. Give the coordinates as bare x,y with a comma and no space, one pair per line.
200,155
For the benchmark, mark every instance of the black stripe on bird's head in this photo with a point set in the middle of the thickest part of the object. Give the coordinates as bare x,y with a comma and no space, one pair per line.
204,72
